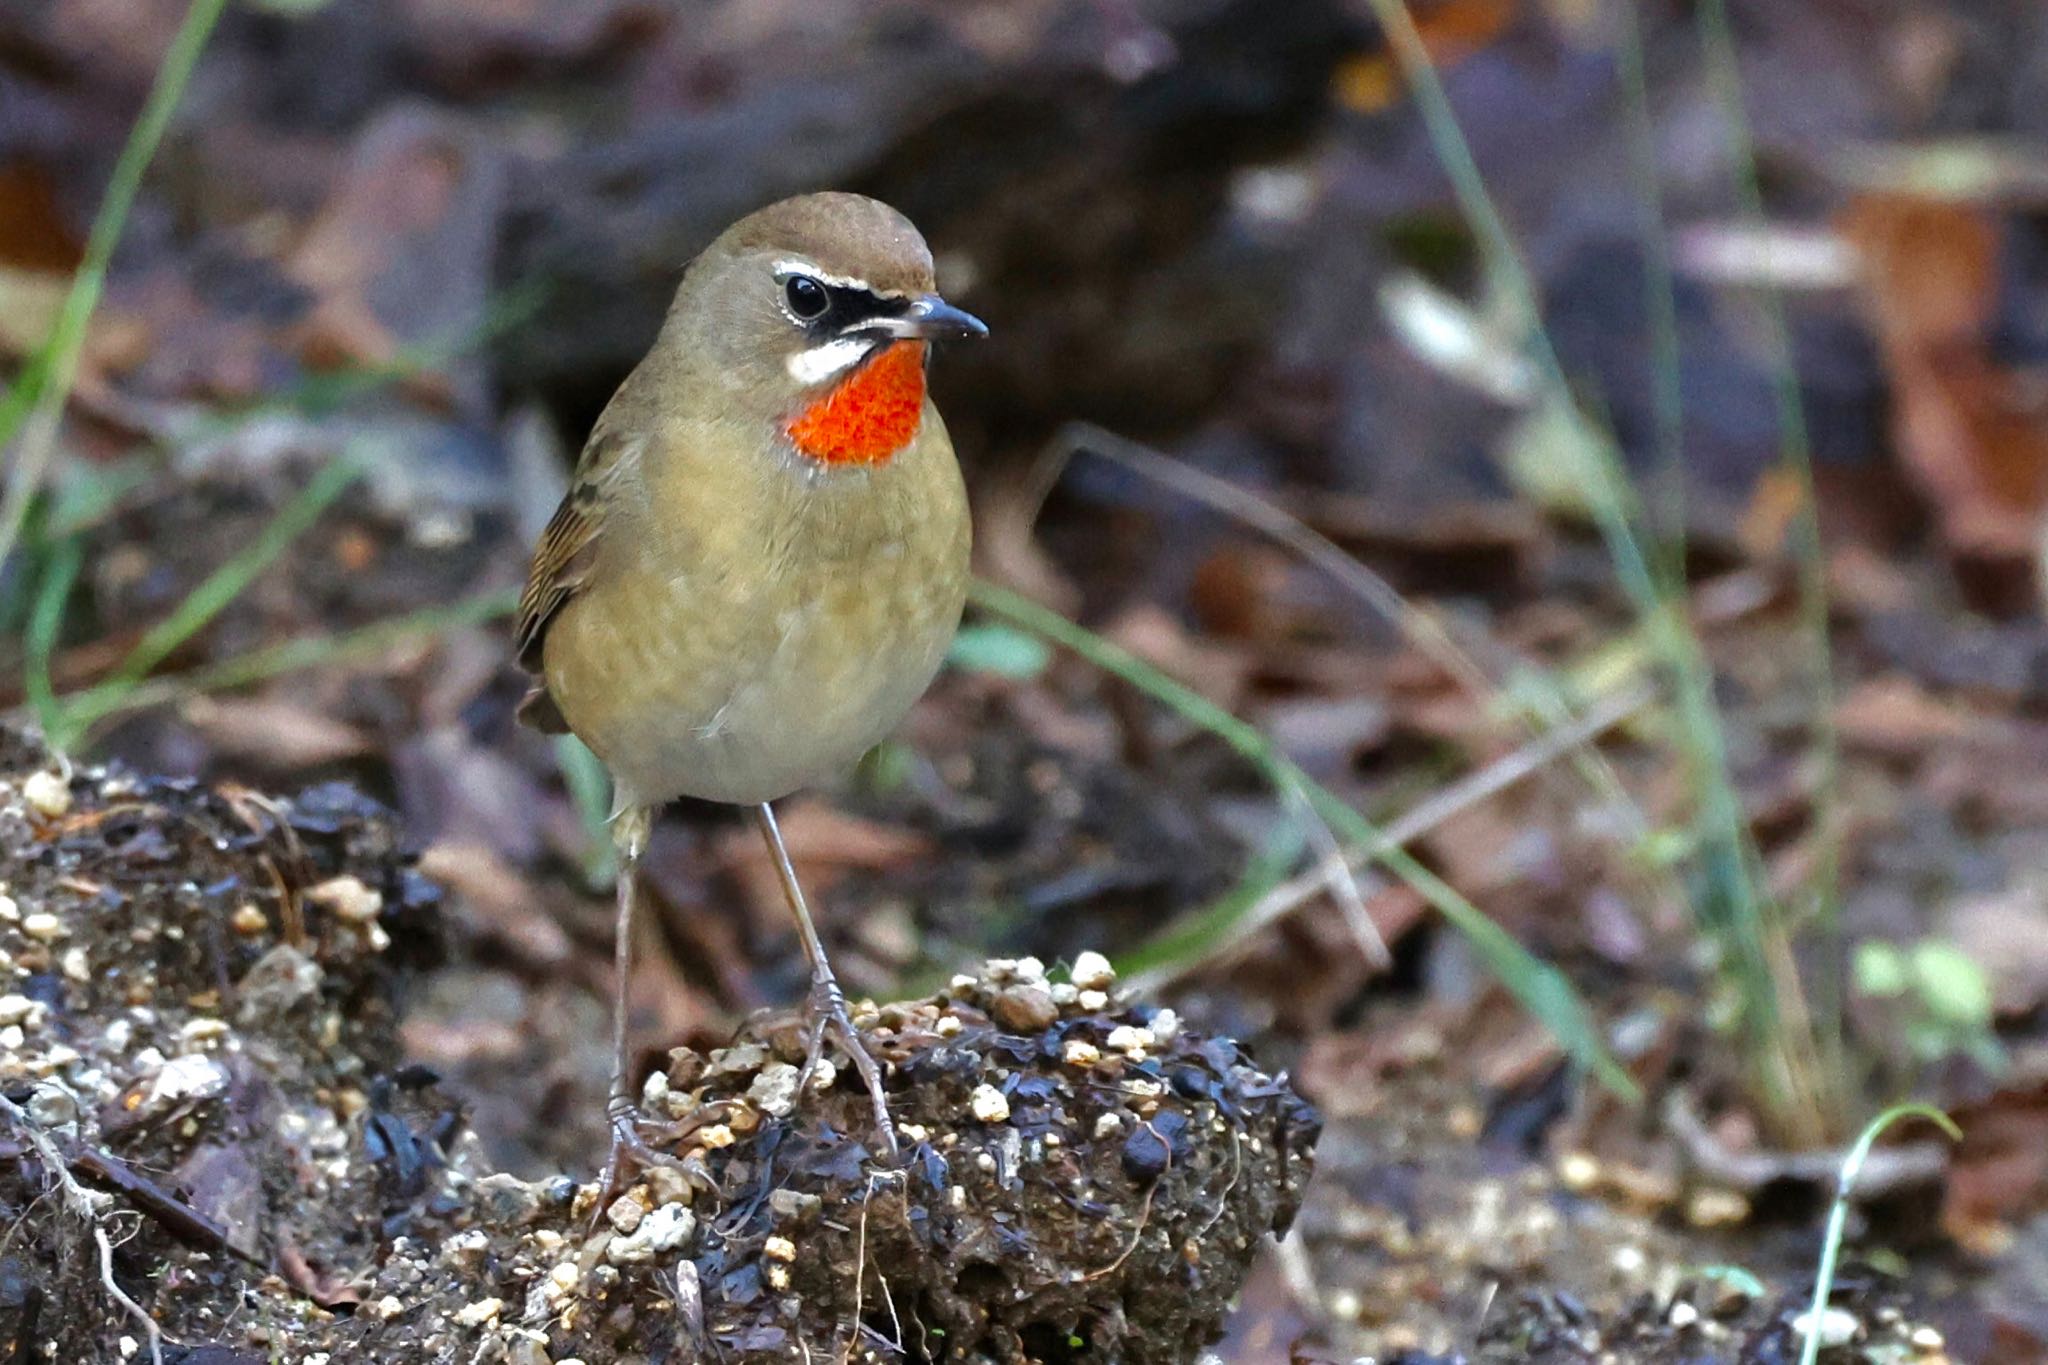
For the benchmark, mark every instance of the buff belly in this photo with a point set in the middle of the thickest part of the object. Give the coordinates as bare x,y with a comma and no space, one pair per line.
691,680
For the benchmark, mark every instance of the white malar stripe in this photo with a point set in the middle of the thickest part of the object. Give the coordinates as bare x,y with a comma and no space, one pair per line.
821,362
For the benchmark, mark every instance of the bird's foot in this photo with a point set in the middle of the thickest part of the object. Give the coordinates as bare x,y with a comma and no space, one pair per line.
827,1021
631,1151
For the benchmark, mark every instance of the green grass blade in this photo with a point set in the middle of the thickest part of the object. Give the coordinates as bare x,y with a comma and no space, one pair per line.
31,407
46,621
1541,988
216,591
590,789
293,656
1717,38
1838,1216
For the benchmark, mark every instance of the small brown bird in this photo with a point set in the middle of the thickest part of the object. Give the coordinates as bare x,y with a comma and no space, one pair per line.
762,557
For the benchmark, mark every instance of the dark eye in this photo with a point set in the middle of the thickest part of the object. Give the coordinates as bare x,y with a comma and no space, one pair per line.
807,298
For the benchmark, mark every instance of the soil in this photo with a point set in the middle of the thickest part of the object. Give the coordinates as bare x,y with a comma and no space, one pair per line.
202,1003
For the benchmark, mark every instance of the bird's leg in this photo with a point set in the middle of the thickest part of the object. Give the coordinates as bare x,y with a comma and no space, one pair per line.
630,829
826,1008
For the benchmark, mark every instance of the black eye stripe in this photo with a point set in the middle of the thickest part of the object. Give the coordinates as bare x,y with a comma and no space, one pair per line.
848,308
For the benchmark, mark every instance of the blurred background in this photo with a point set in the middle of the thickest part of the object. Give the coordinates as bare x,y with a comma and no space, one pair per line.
1604,442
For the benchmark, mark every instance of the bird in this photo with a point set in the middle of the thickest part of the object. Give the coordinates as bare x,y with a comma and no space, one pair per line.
760,561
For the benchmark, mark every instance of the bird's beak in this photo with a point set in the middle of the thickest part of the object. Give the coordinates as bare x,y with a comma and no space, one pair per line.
931,318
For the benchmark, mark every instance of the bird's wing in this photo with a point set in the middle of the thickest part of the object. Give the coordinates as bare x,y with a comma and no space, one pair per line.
563,559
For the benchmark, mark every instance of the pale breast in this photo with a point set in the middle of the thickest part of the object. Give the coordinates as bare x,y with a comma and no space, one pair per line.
769,653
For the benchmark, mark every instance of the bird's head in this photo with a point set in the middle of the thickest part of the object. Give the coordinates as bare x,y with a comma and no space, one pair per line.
814,314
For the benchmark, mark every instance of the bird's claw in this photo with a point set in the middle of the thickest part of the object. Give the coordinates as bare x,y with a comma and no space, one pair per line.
828,1021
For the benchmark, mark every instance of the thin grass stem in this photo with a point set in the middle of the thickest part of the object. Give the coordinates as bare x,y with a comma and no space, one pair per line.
34,404
1542,989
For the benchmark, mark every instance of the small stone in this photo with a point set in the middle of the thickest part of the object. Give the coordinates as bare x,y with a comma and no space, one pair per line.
1092,1001
347,899
779,1249
949,1026
1682,1315
507,1201
386,1308
1092,972
248,920
1030,969
1108,1124
76,965
913,1132
479,1313
1130,1039
205,1029
963,984
1065,993
667,1185
793,1204
989,1104
42,926
822,1078
1836,1327
10,909
713,1136
47,794
1717,1209
1165,1027
1928,1340
1025,1008
19,1009
466,1248
626,1212
1081,1052
128,1346
774,1089
664,1230
1578,1172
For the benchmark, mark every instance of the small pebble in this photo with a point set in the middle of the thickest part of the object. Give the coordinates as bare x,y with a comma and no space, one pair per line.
1093,1001
774,1089
715,1135
663,1230
1928,1340
667,1185
19,1009
1682,1315
1025,1008
989,1104
949,1026
47,794
43,926
778,1277
1092,972
1081,1052
1837,1326
479,1313
1130,1039
77,966
347,899
249,921
10,909
913,1132
626,1212
779,1249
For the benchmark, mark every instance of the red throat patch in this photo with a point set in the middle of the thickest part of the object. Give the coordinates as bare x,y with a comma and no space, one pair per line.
869,415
